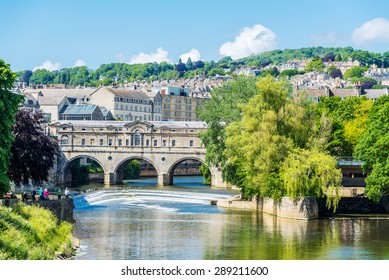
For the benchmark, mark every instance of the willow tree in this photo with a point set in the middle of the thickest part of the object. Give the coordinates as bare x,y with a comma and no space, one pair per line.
8,107
311,173
276,127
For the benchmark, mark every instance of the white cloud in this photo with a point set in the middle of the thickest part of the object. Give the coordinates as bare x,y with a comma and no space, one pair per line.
194,55
48,65
159,56
250,41
376,30
79,62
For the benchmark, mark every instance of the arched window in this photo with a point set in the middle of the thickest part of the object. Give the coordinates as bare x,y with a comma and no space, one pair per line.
64,140
137,138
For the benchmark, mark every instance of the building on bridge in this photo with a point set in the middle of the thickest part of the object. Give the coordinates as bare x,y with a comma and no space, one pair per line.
113,144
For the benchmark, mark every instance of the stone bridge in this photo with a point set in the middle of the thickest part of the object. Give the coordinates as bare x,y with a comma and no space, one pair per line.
113,144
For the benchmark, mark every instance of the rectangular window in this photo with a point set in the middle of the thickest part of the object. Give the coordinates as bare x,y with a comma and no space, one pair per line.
190,143
101,142
155,143
147,142
164,143
120,142
173,143
83,142
92,142
110,142
127,142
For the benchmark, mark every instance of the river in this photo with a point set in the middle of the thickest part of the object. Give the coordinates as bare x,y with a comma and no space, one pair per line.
139,221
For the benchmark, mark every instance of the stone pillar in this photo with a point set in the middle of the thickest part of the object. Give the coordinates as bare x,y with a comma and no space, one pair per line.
216,179
164,180
109,178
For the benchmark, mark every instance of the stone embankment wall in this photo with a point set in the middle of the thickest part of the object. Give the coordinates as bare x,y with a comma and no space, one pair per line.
305,208
62,208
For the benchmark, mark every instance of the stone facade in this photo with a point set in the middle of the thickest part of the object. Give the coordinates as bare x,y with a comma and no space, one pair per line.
113,144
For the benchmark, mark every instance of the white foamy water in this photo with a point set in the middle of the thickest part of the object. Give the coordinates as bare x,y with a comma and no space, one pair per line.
163,200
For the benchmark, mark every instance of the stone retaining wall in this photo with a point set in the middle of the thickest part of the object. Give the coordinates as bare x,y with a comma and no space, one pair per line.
305,208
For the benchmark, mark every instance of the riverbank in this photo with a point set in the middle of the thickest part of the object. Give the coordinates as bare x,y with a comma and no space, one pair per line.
305,208
30,232
309,208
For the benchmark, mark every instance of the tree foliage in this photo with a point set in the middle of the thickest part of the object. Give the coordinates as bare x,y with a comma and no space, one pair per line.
348,117
354,72
373,149
204,170
315,65
132,170
9,103
275,130
33,152
223,108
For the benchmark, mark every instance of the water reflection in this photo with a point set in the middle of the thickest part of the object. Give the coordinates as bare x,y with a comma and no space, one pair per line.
177,223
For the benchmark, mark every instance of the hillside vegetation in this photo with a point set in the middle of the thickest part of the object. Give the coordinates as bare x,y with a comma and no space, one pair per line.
33,233
106,74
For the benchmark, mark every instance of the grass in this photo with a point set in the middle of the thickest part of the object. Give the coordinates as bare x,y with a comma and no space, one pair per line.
33,233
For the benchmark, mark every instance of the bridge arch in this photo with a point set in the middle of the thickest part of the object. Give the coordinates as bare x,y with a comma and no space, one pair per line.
122,164
66,169
170,172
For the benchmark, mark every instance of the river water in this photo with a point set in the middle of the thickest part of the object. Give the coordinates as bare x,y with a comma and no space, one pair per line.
139,221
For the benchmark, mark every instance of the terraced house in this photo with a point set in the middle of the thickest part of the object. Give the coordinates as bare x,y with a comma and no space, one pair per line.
128,105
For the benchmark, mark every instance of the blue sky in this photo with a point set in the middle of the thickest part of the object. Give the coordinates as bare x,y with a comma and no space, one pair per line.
57,34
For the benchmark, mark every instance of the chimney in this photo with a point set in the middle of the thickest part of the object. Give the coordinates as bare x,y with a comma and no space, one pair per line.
358,89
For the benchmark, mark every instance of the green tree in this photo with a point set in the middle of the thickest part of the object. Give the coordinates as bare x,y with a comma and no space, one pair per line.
132,170
373,149
290,73
348,117
216,71
316,65
276,131
273,71
354,72
9,103
223,108
189,64
311,173
42,76
204,170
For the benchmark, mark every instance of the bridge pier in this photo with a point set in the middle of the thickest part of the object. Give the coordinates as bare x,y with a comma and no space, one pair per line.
164,180
217,179
110,178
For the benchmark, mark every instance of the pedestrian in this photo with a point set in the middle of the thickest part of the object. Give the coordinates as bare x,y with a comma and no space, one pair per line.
67,192
59,193
41,194
46,194
33,193
24,197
